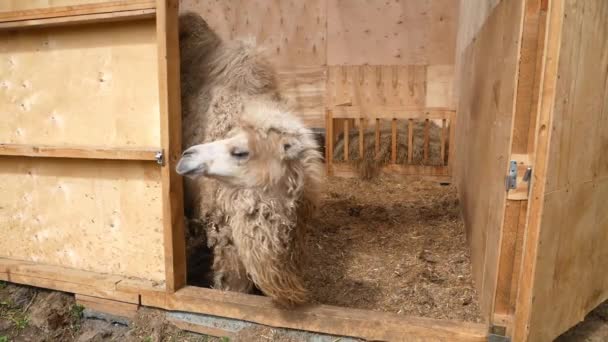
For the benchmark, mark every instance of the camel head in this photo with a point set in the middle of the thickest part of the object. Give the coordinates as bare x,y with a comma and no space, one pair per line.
270,147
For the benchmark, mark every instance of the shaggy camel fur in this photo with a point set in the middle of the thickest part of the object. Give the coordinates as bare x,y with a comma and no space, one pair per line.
261,165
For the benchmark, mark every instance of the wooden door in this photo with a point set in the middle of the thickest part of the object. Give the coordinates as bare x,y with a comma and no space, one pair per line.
564,251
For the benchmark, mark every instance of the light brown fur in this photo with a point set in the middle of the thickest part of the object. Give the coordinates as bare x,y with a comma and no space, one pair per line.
256,232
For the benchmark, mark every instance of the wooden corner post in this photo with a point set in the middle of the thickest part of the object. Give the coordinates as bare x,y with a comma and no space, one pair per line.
171,139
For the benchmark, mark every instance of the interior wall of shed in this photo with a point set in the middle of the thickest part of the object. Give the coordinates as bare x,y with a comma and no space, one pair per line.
487,57
333,52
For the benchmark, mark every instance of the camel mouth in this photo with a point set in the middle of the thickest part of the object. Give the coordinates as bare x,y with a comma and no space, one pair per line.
190,168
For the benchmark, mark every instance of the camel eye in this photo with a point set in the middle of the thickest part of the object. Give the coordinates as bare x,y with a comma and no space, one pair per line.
239,154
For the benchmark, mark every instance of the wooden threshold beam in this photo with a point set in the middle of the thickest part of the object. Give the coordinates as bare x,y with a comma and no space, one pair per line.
78,152
325,319
65,279
369,325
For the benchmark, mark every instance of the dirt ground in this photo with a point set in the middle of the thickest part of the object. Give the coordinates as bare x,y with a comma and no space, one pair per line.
391,245
28,314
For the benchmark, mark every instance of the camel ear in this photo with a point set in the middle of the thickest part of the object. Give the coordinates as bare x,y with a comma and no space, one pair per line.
292,147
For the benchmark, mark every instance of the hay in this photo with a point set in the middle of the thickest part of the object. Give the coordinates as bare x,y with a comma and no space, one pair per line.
368,167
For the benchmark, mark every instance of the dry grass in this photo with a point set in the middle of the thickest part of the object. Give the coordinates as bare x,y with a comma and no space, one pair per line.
392,245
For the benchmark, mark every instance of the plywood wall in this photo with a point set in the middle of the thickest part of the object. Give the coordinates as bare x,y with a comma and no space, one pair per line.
87,87
93,215
570,276
94,86
309,41
487,89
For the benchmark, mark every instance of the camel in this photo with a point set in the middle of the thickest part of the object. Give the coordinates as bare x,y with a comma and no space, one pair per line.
252,168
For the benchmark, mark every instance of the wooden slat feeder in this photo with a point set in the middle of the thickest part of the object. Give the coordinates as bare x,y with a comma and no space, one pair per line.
91,132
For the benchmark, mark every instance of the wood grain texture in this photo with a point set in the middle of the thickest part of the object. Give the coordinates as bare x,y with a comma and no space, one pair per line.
99,285
80,19
110,99
171,134
401,32
78,152
485,113
304,89
109,306
573,231
100,216
320,318
30,9
293,32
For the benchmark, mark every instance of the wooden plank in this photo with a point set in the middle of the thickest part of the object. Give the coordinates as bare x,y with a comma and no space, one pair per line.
258,309
95,215
489,72
528,265
524,122
395,33
569,225
410,141
398,86
390,112
110,100
78,152
440,86
81,19
171,140
348,171
75,10
319,318
394,141
377,139
64,279
305,88
443,140
346,139
362,138
112,307
329,141
426,141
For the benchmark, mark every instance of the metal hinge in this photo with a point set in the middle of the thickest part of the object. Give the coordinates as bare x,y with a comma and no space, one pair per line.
511,180
497,334
160,158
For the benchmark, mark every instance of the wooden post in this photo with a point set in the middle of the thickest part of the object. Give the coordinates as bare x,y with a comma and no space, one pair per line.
427,124
171,133
394,141
361,138
443,136
329,141
377,142
346,139
410,141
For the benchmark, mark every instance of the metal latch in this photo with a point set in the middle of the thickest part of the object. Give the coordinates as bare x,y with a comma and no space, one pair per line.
527,175
160,158
511,180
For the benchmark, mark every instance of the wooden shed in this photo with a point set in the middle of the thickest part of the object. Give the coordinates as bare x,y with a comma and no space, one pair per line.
91,132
